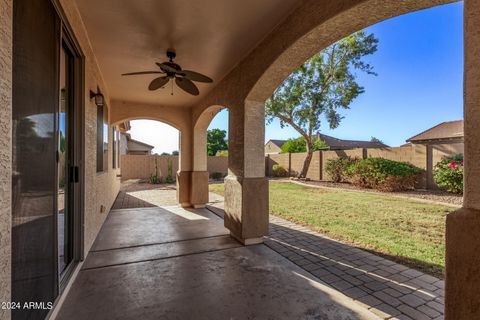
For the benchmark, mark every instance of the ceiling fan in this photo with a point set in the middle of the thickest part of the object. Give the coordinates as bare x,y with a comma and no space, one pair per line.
183,78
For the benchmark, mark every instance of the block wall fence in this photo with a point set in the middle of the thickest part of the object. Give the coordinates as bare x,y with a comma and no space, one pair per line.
422,156
143,166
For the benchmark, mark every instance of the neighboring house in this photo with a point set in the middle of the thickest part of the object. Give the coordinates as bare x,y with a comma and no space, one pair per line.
449,132
275,146
132,146
444,139
138,147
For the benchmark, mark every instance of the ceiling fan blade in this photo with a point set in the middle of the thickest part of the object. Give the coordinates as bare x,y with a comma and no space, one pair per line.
166,67
141,72
195,76
187,86
158,83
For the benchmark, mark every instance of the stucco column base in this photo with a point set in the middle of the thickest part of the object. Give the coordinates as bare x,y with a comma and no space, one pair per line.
246,208
462,299
183,188
199,189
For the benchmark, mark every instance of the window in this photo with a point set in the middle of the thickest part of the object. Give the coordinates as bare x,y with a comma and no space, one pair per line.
115,148
102,138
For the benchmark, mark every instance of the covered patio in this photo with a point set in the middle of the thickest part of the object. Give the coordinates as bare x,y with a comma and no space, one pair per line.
178,261
172,263
141,232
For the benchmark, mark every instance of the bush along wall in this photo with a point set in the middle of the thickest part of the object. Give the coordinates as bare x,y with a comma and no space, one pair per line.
448,174
383,174
337,168
279,171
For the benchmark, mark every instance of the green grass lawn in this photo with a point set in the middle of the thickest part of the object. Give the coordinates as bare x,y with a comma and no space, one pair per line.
408,231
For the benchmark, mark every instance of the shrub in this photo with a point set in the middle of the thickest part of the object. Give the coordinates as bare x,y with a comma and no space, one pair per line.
217,175
337,169
383,174
279,171
448,174
169,179
154,179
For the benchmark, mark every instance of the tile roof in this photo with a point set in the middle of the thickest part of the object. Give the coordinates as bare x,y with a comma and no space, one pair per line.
339,144
443,131
336,144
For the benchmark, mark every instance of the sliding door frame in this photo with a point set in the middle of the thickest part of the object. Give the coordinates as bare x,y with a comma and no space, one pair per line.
68,39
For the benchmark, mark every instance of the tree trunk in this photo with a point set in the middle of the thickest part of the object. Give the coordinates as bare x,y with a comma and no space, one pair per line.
308,159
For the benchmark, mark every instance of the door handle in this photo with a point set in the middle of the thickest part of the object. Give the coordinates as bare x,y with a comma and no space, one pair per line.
74,174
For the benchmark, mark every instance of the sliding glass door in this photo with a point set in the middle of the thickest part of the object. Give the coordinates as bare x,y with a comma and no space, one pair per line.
47,152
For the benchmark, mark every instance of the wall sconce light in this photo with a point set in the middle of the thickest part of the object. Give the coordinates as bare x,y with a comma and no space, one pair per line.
98,96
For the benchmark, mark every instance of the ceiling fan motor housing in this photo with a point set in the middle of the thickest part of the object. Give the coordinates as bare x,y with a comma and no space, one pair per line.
171,54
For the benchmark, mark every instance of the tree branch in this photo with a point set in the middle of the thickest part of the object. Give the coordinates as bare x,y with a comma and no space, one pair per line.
294,126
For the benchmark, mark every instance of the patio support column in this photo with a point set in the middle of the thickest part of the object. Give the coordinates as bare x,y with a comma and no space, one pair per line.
184,172
199,183
246,188
462,300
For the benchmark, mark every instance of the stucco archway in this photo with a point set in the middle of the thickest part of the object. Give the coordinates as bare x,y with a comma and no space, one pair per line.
199,176
306,32
200,137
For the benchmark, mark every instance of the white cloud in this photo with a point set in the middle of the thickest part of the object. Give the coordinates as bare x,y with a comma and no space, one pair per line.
163,136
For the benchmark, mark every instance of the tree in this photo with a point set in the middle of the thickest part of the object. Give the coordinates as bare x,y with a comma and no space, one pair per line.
175,153
320,87
373,139
300,145
216,141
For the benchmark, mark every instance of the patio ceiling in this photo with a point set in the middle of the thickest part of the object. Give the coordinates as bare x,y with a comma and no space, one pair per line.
210,36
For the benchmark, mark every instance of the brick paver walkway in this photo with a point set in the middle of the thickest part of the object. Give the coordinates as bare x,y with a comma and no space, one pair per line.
389,289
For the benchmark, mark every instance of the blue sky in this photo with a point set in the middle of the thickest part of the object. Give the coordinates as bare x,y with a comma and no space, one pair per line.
419,84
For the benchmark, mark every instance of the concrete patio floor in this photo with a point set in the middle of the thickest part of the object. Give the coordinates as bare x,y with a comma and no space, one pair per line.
388,289
171,263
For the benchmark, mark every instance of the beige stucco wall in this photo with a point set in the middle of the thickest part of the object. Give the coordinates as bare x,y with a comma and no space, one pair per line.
179,118
414,154
5,151
199,147
472,105
296,165
217,164
101,188
143,166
